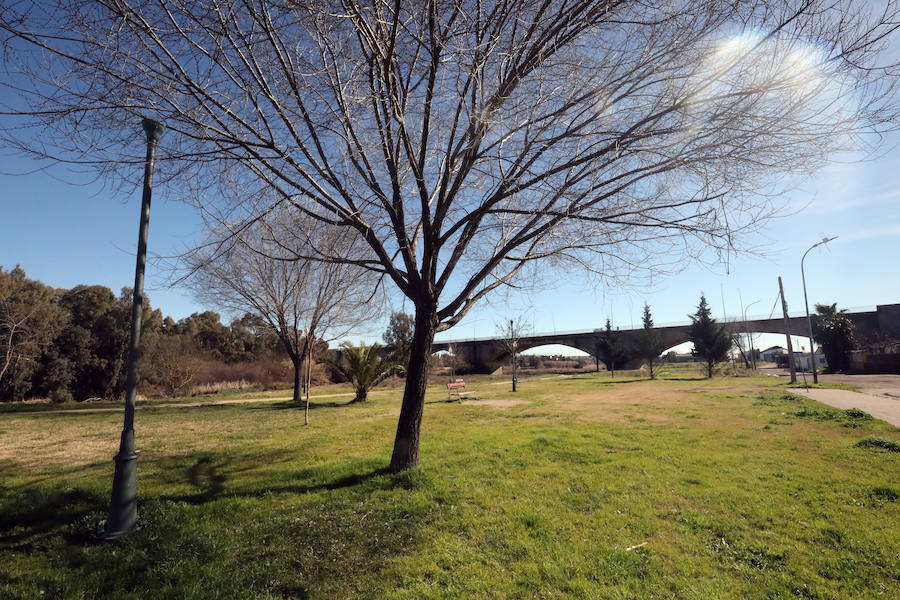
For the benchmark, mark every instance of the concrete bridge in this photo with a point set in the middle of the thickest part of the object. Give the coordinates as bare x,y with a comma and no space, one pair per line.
485,355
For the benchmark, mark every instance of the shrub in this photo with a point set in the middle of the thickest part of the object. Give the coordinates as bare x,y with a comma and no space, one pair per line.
880,443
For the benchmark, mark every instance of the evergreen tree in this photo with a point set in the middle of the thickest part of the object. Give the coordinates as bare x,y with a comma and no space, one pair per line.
833,331
30,317
711,340
649,345
610,349
398,336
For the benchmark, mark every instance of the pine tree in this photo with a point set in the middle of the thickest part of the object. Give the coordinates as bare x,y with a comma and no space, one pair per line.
649,345
711,340
610,349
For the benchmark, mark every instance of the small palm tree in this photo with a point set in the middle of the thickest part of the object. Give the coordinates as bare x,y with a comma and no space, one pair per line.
363,367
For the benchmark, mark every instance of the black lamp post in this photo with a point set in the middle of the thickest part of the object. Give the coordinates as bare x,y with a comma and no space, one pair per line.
123,507
812,351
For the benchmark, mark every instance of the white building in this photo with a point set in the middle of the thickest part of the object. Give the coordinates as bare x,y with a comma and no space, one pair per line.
802,361
769,354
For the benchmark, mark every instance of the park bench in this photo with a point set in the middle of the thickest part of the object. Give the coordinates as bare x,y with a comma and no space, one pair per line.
456,390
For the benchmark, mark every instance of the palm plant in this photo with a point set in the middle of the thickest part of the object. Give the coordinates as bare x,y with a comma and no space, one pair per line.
363,367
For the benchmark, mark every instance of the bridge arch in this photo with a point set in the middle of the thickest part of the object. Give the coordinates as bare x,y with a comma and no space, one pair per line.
487,354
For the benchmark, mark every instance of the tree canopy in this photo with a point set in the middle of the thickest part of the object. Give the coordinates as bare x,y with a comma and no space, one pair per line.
262,271
649,345
610,349
833,330
398,336
711,340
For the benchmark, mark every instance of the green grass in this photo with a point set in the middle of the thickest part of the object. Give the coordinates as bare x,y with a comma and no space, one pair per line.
735,488
823,385
251,392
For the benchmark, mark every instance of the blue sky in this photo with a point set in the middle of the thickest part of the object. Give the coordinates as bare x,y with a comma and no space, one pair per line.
69,232
65,230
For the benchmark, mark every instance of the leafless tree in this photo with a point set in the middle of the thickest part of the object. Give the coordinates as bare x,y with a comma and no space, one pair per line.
304,302
468,143
510,334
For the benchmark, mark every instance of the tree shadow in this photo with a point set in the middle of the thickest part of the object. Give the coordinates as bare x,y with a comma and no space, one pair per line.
346,519
291,405
209,481
621,381
447,401
36,514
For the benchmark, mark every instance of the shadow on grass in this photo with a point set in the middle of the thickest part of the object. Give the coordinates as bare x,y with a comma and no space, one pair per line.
291,405
252,543
618,381
447,401
10,468
209,479
33,515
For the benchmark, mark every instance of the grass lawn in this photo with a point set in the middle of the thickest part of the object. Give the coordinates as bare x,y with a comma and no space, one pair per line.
575,487
256,392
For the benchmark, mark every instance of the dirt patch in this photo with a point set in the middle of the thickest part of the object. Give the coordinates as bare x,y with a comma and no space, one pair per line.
495,403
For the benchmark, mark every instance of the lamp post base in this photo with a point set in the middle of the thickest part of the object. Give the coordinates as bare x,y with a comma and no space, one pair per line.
123,507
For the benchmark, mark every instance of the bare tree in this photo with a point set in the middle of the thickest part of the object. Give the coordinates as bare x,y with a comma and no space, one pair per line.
464,141
304,302
510,334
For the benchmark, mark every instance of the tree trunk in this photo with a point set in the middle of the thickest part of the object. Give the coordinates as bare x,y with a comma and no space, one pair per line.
651,368
295,360
709,366
406,443
307,380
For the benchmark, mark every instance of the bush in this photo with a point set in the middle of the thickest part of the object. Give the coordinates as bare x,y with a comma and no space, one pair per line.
880,443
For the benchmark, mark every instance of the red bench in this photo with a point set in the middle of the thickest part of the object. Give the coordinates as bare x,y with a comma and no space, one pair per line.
456,389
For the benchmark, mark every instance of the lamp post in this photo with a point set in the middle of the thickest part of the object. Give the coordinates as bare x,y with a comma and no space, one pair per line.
123,506
812,351
749,335
514,338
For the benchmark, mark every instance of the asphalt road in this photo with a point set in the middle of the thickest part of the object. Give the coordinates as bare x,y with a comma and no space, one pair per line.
878,395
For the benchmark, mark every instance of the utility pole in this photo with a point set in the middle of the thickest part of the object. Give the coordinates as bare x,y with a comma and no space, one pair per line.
123,506
787,329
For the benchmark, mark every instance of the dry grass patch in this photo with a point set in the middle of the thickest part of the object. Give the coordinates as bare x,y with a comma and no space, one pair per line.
496,403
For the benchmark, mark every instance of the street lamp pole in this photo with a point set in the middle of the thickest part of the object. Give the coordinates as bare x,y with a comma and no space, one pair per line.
123,506
812,351
749,335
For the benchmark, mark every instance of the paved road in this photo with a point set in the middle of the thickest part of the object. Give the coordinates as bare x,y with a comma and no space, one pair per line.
877,385
886,408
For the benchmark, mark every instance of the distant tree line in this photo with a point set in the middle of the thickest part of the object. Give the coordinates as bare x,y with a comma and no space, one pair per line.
71,345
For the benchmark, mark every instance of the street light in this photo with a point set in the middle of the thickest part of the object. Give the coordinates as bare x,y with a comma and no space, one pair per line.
812,350
123,506
749,335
